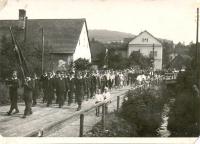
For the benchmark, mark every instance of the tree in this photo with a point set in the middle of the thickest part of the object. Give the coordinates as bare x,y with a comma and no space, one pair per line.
32,53
137,59
167,50
81,64
7,58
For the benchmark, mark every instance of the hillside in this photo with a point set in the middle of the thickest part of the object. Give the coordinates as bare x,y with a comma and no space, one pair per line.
107,36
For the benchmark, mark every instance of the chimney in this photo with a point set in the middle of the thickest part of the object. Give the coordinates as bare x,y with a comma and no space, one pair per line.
22,14
22,19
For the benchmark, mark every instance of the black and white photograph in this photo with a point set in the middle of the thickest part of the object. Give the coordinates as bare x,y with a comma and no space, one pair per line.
93,71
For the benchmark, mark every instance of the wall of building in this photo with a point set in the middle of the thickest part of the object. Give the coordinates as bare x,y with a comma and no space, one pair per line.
144,43
82,49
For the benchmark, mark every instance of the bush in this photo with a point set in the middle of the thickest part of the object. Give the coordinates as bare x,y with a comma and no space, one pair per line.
115,127
81,64
139,116
184,114
143,110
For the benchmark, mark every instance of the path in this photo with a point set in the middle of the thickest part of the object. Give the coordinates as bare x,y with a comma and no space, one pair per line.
47,117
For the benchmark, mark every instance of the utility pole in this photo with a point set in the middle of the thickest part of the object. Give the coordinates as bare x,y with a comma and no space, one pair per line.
197,50
153,59
42,50
197,81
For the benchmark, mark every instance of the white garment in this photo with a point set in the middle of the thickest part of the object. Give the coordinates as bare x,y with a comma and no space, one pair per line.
99,97
112,77
108,76
139,78
107,96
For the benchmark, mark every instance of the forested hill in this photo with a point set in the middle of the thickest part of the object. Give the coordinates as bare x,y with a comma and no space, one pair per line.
107,36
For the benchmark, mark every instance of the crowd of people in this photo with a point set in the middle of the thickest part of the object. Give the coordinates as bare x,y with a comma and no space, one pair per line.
72,87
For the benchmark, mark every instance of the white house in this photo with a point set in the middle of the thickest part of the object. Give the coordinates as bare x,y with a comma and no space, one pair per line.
65,39
82,49
146,43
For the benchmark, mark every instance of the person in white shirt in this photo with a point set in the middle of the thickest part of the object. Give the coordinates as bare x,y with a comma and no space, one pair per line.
106,95
107,98
99,98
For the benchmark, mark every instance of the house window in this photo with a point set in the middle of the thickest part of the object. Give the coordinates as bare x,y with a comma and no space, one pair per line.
144,39
151,54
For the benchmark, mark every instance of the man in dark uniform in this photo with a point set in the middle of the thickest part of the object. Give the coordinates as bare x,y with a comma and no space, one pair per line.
71,88
79,89
87,85
93,85
103,82
36,89
83,75
44,82
66,77
28,92
49,88
13,86
56,77
60,88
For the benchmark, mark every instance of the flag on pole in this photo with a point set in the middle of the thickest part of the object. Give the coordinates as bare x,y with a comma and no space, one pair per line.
19,56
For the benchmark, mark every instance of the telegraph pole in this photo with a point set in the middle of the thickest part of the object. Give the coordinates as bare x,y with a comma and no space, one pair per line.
197,81
153,59
42,50
197,50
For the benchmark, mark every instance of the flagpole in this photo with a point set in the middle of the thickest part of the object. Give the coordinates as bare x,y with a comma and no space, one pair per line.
18,53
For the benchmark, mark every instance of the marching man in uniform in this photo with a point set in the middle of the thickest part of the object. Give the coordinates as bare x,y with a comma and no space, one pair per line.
13,86
78,89
60,88
28,93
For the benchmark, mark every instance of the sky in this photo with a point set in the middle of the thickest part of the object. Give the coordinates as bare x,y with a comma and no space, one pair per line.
170,19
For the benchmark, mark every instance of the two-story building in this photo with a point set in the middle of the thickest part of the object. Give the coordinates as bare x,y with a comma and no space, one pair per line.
149,46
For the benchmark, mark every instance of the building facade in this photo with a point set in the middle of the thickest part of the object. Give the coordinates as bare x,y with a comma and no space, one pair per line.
65,40
149,46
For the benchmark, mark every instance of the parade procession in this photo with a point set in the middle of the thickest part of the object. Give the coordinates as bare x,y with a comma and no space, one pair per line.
98,68
71,87
61,83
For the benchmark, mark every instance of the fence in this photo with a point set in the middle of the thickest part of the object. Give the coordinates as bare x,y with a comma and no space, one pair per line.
103,105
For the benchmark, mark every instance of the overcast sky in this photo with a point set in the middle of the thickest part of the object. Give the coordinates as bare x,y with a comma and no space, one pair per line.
170,19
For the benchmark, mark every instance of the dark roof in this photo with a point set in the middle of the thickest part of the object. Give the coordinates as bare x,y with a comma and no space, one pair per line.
61,35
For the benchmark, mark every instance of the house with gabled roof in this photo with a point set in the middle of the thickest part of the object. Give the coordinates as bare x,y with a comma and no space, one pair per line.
149,46
67,39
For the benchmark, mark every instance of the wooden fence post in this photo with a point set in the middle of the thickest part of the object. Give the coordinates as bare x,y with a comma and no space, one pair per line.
81,125
118,99
103,116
